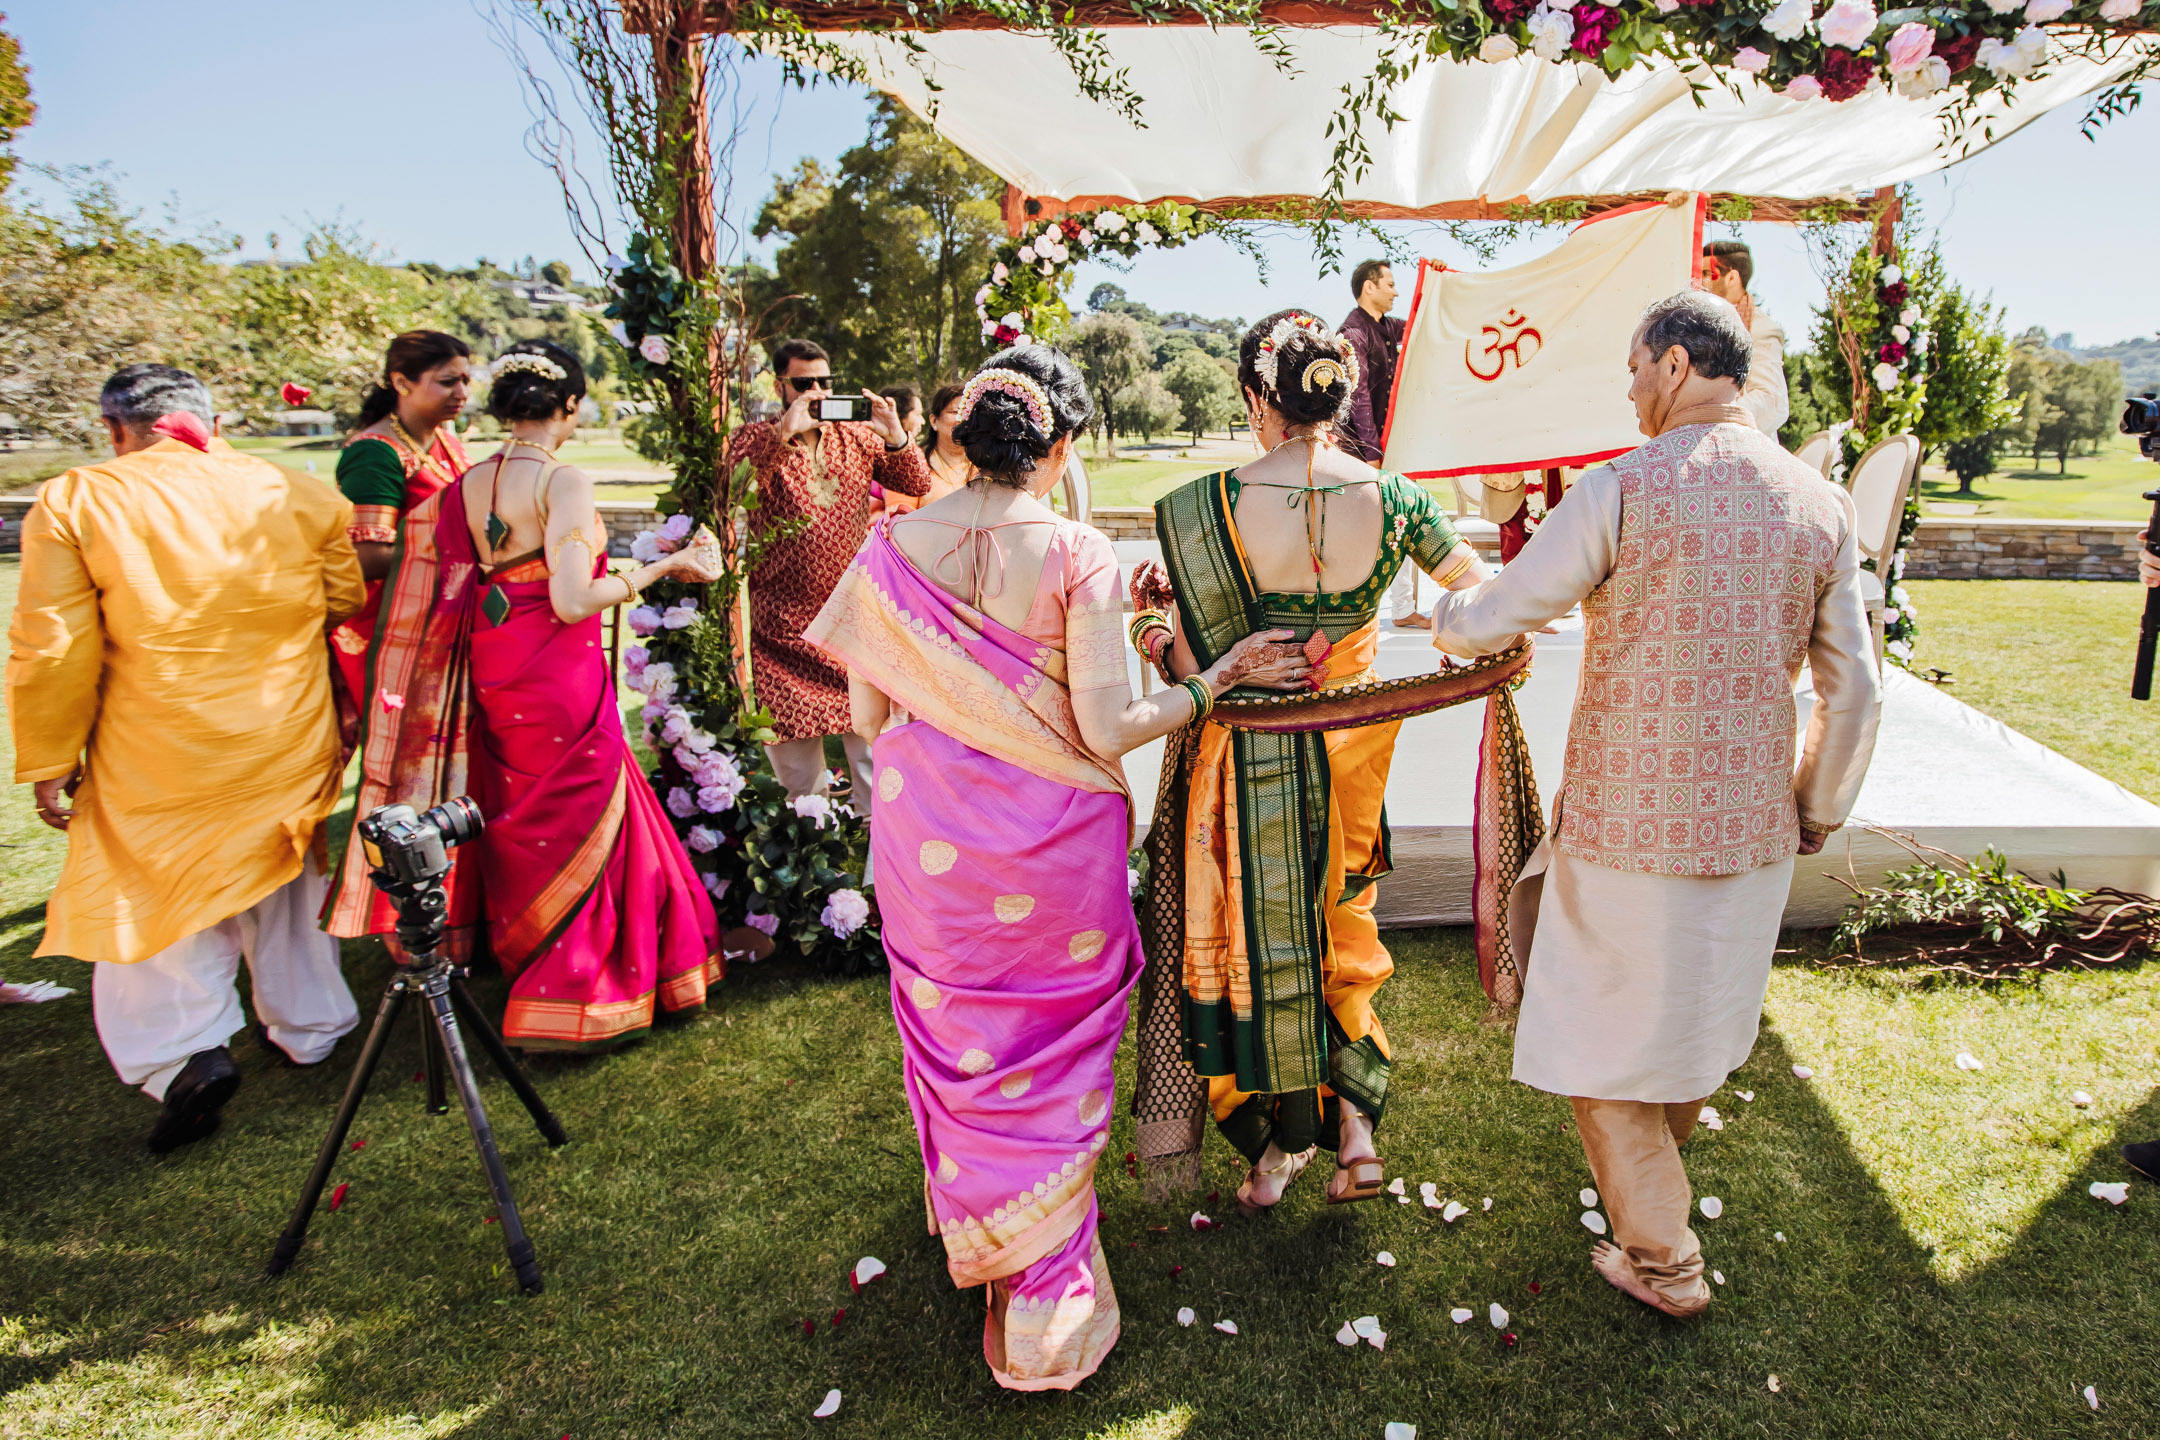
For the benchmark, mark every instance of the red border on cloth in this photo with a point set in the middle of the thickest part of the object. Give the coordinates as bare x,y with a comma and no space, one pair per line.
1702,210
1417,294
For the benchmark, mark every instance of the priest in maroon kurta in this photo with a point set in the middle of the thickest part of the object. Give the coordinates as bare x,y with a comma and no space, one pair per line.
820,472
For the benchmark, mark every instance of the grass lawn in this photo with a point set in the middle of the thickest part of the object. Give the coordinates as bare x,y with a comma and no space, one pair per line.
1909,1248
2051,658
2106,486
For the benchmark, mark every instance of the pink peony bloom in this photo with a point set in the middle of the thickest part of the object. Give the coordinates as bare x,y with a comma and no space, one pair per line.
845,913
768,924
702,839
633,659
2120,9
677,528
654,349
681,803
644,620
1750,61
1910,45
1806,87
1847,24
675,727
718,799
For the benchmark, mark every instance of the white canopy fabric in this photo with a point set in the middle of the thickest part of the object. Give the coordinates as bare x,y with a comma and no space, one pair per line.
1222,121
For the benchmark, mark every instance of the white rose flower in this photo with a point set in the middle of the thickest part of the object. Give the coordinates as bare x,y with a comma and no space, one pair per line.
2003,7
1551,33
1932,75
1666,7
1750,61
1910,315
1885,375
1109,222
1790,20
1889,275
813,807
1027,254
1901,333
1051,234
2118,9
1147,234
980,296
1502,47
2039,12
1998,59
1013,320
1920,343
654,349
998,272
1847,23
2032,43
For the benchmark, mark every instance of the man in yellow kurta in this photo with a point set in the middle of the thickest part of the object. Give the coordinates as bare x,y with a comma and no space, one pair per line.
168,674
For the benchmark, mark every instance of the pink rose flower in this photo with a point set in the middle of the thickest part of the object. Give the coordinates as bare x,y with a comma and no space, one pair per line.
1847,24
1910,45
702,840
1805,87
769,924
654,349
681,803
1749,60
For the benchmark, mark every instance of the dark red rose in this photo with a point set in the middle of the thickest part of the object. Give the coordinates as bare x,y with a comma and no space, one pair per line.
1071,227
1844,74
1593,28
1956,51
809,1327
1699,2
1509,12
1005,335
1891,351
1894,295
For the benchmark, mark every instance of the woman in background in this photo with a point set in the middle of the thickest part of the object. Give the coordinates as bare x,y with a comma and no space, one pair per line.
1000,845
490,676
403,452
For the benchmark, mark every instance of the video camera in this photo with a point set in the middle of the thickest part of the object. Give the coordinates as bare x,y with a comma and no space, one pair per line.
2141,417
415,849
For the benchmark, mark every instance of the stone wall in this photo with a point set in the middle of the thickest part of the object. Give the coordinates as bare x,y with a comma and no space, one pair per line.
1959,548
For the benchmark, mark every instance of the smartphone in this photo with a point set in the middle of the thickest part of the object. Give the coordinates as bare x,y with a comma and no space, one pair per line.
844,407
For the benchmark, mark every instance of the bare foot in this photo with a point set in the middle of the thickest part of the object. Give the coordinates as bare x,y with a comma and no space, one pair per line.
1610,1261
1415,620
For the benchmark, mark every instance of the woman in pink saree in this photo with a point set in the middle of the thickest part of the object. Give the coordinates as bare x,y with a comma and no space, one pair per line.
487,676
1000,847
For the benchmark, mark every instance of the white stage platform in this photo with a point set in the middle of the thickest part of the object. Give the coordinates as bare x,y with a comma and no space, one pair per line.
1943,773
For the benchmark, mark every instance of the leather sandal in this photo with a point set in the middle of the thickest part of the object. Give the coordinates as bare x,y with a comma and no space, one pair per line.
1358,1180
1292,1164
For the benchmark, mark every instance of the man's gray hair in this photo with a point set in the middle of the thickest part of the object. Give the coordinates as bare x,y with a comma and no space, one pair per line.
1709,329
140,394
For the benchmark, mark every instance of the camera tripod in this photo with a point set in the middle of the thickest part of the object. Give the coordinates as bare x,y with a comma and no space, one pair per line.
429,975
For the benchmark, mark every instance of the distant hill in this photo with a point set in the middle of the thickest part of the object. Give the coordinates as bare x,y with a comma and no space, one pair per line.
2140,359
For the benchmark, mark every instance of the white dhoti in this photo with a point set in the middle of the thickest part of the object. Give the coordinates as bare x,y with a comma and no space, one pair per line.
1641,987
1400,603
154,1014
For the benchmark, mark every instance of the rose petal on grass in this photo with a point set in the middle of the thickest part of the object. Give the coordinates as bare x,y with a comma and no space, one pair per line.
1718,1276
1778,1235
1200,1221
1593,1222
1432,1202
1228,1327
2092,1397
1966,1060
1711,1119
1428,1189
1384,1258
1185,1316
357,1145
1507,1338
1588,1198
1746,1094
1497,1315
1801,1072
1488,1202
867,1269
1536,1289
1712,1207
337,1196
838,1316
1402,1199
2114,1193
1367,1328
1456,1210
1460,1313
2080,1099
1395,1188
1774,1386
809,1327
828,1407
1397,1430
1347,1335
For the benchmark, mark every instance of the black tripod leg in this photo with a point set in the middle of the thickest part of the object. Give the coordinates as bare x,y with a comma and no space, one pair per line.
438,1093
522,1258
289,1243
491,1041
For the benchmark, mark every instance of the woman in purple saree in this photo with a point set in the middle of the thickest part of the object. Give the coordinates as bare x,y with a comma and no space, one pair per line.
989,632
486,675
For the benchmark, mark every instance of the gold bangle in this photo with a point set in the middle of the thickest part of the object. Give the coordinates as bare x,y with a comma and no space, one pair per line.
629,585
1455,571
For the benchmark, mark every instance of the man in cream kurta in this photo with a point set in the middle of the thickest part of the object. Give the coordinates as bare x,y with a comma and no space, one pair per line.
168,672
1709,564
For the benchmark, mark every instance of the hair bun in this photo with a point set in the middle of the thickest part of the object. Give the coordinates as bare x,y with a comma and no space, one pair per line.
1309,372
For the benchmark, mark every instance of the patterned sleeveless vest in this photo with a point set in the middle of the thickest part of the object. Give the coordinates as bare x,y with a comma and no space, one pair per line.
1680,754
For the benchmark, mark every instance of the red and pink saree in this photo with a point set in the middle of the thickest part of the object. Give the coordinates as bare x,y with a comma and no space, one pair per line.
999,851
588,899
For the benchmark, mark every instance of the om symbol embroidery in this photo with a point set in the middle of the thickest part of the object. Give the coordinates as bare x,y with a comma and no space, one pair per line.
1503,342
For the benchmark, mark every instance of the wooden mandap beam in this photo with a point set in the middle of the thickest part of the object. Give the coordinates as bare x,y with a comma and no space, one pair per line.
718,16
1022,210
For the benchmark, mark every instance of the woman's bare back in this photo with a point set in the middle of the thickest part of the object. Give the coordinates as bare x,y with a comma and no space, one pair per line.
508,483
1277,521
936,541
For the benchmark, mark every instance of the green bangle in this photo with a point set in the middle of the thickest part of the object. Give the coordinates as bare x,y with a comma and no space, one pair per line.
1203,697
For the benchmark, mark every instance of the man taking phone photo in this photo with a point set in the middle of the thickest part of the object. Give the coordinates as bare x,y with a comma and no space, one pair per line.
816,462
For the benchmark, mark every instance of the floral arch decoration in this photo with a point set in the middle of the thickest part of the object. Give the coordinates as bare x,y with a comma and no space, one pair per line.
1022,295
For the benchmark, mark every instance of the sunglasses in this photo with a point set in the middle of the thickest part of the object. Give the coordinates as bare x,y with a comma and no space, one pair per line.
803,384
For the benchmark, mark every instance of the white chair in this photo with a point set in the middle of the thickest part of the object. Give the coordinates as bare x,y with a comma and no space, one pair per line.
1818,450
1079,502
1880,482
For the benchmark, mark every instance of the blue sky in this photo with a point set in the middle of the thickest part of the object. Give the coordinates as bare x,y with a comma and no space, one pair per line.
402,117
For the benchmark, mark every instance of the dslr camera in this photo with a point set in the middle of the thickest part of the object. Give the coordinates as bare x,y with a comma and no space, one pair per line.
2141,417
414,849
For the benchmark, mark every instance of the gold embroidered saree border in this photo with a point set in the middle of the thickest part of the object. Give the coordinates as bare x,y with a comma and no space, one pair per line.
535,928
1030,1226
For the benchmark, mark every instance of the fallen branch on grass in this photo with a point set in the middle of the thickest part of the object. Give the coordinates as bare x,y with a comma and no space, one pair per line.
1981,920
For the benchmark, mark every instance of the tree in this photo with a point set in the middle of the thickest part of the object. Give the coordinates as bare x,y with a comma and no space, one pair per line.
888,251
1146,406
16,107
557,272
1112,353
1972,457
1207,398
1968,371
2080,401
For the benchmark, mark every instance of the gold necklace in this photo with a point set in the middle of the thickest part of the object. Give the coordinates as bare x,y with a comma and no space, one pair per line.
424,456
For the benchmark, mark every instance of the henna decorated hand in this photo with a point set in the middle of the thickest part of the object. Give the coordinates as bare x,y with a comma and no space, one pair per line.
1263,659
1150,588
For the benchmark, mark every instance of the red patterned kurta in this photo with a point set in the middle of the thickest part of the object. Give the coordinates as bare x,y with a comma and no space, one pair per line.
806,692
